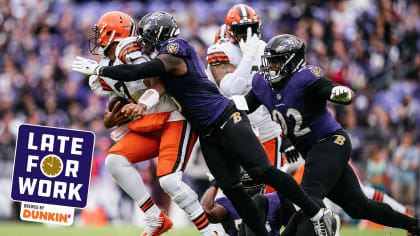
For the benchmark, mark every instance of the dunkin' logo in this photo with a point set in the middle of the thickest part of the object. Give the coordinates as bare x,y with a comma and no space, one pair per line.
46,213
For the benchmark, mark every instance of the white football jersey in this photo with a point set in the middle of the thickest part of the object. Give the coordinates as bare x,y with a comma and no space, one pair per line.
128,52
228,52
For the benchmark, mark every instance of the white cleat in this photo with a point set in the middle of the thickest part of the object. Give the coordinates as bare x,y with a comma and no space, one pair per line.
327,224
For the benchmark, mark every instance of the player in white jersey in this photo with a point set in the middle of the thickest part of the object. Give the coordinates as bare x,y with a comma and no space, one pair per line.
232,61
162,131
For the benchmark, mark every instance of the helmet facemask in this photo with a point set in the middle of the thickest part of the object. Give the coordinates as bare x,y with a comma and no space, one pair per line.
252,186
239,31
96,44
278,67
112,27
154,29
149,41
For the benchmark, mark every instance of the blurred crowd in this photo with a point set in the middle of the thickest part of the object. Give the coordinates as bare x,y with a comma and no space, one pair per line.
372,46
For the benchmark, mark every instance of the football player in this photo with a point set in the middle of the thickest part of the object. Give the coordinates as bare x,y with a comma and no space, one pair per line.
296,95
220,210
369,191
226,137
162,131
222,34
232,61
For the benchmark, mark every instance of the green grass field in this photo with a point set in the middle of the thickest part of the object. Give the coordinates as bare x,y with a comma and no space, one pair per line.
27,229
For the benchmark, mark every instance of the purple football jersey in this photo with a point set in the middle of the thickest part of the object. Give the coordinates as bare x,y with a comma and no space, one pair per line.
303,124
234,220
200,100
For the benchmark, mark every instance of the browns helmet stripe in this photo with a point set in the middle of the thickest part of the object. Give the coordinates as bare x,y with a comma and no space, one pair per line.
252,13
243,12
222,32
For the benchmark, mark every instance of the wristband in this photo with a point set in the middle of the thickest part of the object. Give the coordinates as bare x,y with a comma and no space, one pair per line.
149,98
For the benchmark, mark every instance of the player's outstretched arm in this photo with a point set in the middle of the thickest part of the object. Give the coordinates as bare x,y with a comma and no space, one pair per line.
252,101
327,90
163,64
215,212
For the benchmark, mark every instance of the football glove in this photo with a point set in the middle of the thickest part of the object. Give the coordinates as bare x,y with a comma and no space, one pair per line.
94,83
292,155
250,47
85,66
341,94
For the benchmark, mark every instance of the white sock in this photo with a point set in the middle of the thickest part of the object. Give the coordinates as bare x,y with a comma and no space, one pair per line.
130,181
148,206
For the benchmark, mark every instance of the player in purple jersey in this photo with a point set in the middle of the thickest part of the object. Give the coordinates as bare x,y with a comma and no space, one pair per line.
221,210
296,95
226,136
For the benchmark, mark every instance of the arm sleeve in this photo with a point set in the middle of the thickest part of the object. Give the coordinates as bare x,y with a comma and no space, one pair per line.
153,68
321,89
252,101
231,85
236,82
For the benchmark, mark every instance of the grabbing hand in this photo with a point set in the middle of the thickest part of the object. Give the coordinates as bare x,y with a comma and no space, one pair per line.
114,117
94,83
133,110
341,94
250,47
85,66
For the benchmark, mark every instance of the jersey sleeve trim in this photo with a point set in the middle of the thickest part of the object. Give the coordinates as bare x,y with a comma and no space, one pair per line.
217,57
127,49
105,85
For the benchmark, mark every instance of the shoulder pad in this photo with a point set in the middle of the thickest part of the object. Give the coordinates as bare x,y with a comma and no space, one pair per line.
223,52
307,75
128,48
310,70
216,55
175,46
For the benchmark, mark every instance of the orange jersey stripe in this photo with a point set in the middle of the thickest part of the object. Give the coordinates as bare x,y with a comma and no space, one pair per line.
218,60
122,52
104,85
128,51
217,54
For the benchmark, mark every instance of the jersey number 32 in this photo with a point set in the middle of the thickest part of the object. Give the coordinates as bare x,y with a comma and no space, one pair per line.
298,130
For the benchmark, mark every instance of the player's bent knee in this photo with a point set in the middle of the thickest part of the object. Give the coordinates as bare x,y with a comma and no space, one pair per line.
179,191
258,173
115,161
